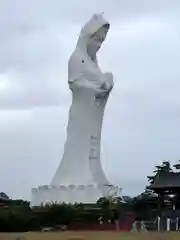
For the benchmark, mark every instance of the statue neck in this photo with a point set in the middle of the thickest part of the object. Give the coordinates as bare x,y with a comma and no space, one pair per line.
92,54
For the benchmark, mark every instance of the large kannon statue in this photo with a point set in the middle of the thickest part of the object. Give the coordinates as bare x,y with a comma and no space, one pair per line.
90,90
80,177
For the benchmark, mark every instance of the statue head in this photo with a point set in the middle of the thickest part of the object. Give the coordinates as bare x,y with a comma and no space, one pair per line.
96,40
83,59
93,35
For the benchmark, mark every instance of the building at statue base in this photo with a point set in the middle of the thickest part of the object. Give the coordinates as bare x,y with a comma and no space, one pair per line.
72,194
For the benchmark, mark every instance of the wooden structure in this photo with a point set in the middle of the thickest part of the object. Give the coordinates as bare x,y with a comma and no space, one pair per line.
167,186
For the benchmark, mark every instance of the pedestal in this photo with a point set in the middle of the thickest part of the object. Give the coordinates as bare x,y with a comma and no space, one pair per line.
72,194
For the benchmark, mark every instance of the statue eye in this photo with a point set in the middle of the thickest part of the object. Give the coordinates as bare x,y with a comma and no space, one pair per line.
82,61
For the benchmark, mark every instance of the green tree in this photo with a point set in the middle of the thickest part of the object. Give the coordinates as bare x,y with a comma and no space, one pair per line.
164,167
177,166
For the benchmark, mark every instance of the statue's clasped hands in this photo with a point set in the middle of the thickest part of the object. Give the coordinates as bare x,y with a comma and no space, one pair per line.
108,82
106,85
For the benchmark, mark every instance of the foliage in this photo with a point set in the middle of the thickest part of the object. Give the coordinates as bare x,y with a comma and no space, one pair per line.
17,215
164,167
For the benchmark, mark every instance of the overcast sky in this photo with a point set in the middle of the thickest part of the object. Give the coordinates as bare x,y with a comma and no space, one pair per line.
142,118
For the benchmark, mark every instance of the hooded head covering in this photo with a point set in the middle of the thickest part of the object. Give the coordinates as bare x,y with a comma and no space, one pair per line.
80,63
90,28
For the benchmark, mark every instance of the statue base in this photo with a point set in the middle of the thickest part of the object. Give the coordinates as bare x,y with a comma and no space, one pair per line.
72,194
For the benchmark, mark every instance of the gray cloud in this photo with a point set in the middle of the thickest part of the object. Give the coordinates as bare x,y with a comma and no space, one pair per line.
141,125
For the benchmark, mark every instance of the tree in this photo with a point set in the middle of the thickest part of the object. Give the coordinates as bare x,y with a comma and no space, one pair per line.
177,166
145,206
164,167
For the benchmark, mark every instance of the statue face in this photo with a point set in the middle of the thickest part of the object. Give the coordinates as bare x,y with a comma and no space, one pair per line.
97,39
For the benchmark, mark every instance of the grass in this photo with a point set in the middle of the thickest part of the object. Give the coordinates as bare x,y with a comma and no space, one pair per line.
89,236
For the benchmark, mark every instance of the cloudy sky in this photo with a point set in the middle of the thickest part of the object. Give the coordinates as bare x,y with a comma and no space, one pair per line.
142,118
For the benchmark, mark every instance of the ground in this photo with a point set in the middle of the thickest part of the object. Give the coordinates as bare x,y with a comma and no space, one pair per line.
89,236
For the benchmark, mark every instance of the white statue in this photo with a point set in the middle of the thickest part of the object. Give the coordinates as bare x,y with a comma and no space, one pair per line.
80,175
90,90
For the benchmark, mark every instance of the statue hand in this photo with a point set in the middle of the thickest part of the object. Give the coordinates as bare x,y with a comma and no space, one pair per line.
108,75
108,81
101,93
